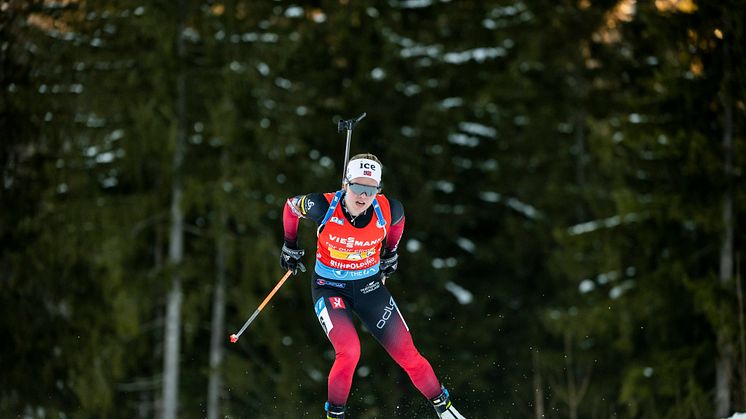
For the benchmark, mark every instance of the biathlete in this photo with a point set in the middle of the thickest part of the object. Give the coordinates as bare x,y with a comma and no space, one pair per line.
358,234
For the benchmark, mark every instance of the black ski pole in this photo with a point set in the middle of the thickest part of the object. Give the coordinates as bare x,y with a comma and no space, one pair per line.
348,125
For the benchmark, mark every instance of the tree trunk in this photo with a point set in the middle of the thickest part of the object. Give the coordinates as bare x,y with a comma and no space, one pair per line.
741,330
172,344
171,352
151,404
580,116
726,351
538,387
572,394
217,337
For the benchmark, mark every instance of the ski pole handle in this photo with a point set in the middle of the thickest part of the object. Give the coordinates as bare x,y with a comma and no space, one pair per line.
349,124
234,337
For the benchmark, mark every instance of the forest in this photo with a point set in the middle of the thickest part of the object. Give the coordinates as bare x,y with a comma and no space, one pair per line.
572,173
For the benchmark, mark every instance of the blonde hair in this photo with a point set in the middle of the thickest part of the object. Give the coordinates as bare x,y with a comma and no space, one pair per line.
369,156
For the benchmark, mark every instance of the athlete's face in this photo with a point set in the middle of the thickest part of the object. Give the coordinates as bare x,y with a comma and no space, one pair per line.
360,193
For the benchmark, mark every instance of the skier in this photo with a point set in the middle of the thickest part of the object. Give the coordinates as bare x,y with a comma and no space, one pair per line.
357,237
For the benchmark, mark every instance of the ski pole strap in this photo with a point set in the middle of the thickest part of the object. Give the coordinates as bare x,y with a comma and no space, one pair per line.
330,211
379,214
377,208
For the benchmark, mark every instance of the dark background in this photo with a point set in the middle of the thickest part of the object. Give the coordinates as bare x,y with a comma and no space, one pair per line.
571,171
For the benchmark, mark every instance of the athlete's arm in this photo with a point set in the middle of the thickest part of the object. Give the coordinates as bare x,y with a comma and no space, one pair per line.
397,226
312,206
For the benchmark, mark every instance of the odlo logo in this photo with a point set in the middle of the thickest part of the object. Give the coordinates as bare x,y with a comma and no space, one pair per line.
386,313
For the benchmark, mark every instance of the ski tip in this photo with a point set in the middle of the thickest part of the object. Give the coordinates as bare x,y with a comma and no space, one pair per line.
234,338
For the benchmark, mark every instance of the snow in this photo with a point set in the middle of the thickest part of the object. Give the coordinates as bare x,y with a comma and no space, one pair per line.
477,54
618,290
90,120
109,182
377,73
444,186
505,11
318,16
440,263
283,83
413,245
451,102
294,11
462,162
411,49
326,162
635,118
463,295
594,225
106,157
738,416
466,244
476,128
418,50
262,68
315,374
490,196
589,284
463,139
363,371
525,209
91,151
408,131
413,4
191,35
586,286
528,210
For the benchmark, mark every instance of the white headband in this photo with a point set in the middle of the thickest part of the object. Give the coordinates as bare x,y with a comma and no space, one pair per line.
364,168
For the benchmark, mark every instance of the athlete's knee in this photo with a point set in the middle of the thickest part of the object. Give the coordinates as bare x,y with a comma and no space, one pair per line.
403,351
415,360
411,359
348,353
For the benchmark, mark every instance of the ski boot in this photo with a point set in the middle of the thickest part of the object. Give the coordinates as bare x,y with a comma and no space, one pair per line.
443,407
334,412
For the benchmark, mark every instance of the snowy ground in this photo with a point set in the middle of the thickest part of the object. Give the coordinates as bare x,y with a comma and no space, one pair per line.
738,416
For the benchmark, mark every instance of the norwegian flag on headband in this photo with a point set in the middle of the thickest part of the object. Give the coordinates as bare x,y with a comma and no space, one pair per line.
367,173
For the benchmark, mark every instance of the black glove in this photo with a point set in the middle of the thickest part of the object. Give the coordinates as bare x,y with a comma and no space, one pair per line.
389,262
290,258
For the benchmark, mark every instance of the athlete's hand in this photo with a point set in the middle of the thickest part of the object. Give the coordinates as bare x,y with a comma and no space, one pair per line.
389,263
290,258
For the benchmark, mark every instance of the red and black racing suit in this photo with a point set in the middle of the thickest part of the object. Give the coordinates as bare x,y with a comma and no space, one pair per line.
347,280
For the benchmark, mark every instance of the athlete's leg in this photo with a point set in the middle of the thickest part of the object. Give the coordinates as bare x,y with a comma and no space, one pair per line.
333,314
376,308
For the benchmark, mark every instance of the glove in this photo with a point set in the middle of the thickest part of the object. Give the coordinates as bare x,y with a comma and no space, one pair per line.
290,258
389,263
